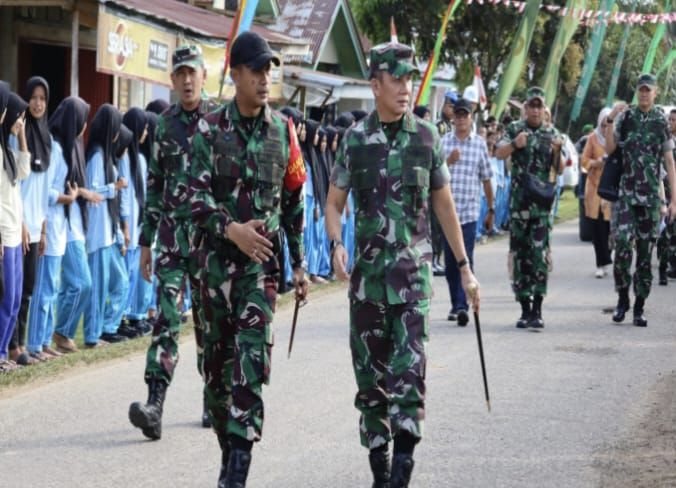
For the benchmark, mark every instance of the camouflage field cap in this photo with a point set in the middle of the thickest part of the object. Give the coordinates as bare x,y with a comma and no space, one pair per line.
187,55
535,92
393,57
646,79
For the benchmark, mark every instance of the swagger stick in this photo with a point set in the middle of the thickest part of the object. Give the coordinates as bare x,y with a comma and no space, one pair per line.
472,289
293,325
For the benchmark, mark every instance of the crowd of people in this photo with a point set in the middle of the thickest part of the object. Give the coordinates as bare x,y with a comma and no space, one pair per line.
224,206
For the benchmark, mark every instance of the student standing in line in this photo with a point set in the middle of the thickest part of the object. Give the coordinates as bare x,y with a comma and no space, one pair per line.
103,219
15,168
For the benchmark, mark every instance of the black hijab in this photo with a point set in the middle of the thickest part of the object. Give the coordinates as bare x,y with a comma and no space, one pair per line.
294,114
4,98
136,120
421,111
324,171
37,130
157,106
123,142
311,155
359,114
345,120
105,126
15,108
147,146
66,124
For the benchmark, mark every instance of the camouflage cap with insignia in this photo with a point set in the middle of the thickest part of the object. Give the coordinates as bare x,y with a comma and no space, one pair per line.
393,57
187,55
646,79
535,93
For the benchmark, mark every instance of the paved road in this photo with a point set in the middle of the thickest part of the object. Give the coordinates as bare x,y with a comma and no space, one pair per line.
582,404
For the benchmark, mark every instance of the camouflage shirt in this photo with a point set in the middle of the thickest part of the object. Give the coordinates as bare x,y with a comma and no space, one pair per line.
391,182
535,158
444,126
167,205
647,139
240,175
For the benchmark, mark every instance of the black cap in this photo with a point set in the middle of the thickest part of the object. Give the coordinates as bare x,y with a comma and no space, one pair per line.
252,50
462,104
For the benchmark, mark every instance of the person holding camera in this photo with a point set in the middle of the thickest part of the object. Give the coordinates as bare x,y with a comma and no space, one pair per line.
535,149
642,134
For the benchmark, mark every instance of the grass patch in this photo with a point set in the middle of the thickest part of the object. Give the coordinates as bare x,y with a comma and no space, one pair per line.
68,363
568,206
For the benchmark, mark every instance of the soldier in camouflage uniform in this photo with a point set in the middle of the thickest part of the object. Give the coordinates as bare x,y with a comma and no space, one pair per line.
393,163
643,135
248,180
535,149
167,224
666,244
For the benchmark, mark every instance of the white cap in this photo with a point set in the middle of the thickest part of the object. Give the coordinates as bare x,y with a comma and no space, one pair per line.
470,94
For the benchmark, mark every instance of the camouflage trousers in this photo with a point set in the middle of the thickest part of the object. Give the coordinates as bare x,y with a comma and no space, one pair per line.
666,245
171,271
237,347
529,256
388,357
636,226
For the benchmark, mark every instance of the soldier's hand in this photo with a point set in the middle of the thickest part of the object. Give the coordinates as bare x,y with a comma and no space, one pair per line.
618,109
250,241
471,287
340,262
521,140
146,264
300,282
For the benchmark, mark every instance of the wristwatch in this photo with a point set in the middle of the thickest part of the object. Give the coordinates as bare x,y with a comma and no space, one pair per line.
462,262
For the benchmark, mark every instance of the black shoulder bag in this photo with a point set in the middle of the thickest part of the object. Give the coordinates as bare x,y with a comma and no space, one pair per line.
542,193
609,185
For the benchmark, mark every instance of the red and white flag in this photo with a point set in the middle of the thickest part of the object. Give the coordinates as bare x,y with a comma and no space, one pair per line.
479,87
393,32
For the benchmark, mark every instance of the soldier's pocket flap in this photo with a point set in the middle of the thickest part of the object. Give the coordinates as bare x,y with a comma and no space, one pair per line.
227,165
415,176
417,155
363,179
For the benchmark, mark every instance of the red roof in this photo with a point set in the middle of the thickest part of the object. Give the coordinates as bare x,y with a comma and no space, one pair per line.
195,19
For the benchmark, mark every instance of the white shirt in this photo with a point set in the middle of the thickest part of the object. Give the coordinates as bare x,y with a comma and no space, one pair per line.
11,215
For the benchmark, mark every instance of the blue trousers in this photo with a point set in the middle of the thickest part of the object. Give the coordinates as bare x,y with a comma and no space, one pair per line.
12,264
41,311
348,233
324,268
458,298
74,292
118,292
140,291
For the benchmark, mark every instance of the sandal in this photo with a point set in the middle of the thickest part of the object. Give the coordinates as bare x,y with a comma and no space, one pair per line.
8,366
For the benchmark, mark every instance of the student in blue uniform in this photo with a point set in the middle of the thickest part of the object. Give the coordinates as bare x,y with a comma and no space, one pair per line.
104,221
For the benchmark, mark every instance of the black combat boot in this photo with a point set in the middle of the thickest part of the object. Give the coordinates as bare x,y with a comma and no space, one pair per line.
380,467
148,417
664,281
536,321
639,318
622,305
238,469
206,421
522,323
225,458
402,467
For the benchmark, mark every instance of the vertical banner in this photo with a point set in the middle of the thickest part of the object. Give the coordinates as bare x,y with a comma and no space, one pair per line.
612,88
565,33
657,38
591,58
517,57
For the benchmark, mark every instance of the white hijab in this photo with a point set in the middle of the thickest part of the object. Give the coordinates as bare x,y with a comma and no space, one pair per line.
599,129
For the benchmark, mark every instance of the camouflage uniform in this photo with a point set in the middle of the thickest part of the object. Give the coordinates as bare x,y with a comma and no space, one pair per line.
241,174
666,243
167,217
390,286
638,209
530,224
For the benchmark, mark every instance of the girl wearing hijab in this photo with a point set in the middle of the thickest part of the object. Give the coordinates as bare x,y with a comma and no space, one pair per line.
595,208
133,167
67,125
15,168
35,196
312,223
104,222
324,174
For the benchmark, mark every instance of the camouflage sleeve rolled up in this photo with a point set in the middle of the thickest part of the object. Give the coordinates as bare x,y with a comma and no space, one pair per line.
341,175
293,212
206,212
152,208
507,136
439,175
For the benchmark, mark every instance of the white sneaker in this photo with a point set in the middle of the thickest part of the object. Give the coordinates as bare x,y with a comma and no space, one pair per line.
600,273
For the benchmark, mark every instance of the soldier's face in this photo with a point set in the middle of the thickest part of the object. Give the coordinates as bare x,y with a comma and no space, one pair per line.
253,86
646,96
393,95
534,113
188,83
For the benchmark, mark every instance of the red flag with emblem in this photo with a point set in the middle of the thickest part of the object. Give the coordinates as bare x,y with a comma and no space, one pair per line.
295,171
